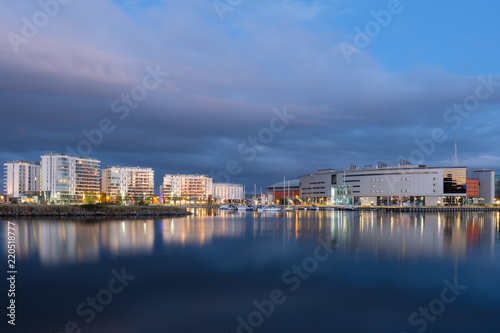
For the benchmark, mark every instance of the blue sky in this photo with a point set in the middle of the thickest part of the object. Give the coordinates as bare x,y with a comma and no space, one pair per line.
225,78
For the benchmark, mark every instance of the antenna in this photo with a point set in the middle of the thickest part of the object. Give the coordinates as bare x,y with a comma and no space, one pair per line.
455,160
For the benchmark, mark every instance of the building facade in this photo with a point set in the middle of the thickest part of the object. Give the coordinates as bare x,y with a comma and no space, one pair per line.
317,188
188,187
486,185
127,183
497,186
67,178
284,193
403,185
223,192
21,178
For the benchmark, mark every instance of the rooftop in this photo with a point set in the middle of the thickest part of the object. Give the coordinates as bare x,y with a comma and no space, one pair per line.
291,183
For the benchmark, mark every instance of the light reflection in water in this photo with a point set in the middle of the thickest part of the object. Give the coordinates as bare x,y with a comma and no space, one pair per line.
373,234
416,235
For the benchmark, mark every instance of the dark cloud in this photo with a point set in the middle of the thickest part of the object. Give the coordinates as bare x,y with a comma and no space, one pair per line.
225,79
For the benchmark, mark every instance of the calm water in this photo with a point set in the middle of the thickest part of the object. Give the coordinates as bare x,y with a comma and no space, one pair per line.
239,272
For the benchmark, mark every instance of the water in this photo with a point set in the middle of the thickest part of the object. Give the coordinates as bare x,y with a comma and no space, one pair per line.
239,272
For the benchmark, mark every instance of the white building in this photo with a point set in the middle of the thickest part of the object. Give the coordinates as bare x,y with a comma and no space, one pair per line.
194,187
127,182
382,185
69,178
486,185
21,179
227,191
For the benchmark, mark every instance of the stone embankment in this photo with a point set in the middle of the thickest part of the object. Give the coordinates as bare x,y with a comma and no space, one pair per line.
90,211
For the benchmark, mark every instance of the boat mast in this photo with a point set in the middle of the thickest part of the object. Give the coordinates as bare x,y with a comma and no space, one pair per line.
284,190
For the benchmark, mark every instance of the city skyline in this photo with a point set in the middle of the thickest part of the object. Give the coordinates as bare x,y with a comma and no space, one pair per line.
270,89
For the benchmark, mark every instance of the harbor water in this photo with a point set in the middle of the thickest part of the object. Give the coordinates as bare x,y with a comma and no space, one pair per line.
214,271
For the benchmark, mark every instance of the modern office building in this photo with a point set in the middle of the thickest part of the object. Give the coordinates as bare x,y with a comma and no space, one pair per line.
21,178
190,187
67,178
127,182
486,185
317,188
223,192
382,185
497,186
472,191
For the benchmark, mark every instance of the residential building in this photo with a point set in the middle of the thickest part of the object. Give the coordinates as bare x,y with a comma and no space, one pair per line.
68,178
127,182
486,185
21,178
382,185
223,192
189,187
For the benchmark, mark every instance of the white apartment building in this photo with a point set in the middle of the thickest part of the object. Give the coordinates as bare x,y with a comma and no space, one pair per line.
194,187
382,185
127,182
69,178
227,191
21,178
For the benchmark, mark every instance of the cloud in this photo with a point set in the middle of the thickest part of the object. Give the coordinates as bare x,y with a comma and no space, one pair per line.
225,79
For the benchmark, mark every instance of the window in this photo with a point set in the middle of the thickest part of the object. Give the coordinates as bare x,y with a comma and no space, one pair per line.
454,181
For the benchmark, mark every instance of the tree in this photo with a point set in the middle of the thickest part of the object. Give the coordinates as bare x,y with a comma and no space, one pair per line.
137,200
118,198
89,198
102,197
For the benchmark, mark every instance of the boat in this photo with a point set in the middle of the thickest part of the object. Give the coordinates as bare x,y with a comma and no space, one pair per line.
250,209
224,207
241,208
301,208
272,209
312,208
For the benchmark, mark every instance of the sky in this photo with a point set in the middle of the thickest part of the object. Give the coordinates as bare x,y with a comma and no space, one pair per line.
251,91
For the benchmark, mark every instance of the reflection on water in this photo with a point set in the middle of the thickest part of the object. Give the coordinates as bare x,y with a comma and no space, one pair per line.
63,242
417,235
56,242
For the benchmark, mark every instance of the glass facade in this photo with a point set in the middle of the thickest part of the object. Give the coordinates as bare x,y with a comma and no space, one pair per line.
454,182
341,195
497,187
